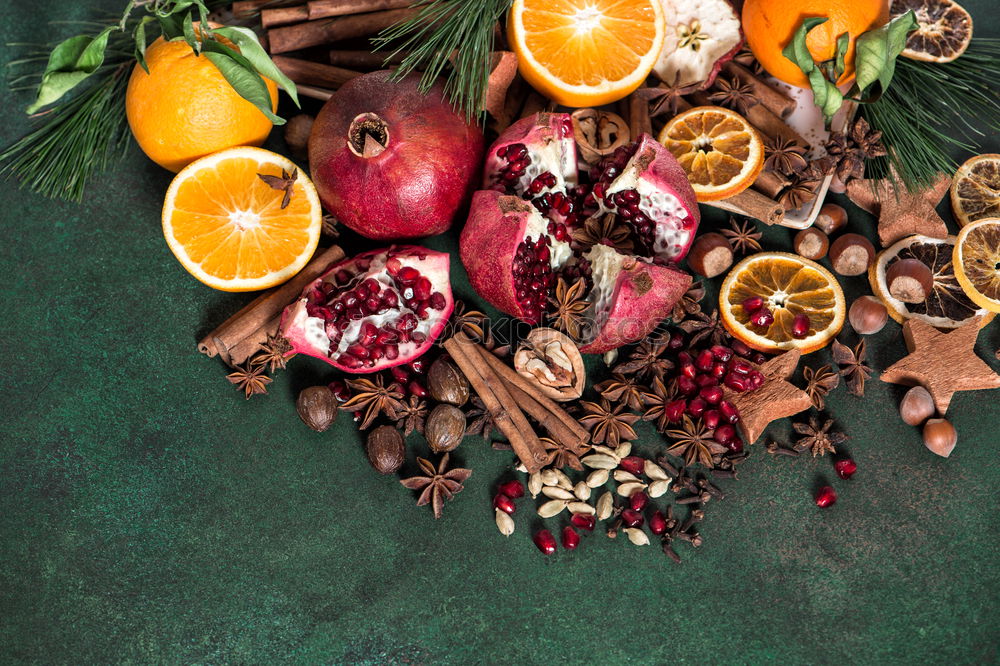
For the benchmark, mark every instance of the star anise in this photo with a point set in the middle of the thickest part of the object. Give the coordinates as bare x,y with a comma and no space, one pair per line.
746,58
559,455
411,415
646,360
819,383
668,99
250,379
329,227
802,189
473,323
656,401
734,94
852,366
274,353
701,326
622,389
743,236
479,419
867,139
689,303
784,156
375,398
819,439
693,441
607,424
285,184
602,230
437,484
570,307
847,160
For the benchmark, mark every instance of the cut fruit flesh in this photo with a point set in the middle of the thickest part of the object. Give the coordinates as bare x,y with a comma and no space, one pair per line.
943,33
701,36
976,259
975,189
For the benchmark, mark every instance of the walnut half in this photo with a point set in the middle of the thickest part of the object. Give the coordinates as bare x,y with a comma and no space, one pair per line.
552,361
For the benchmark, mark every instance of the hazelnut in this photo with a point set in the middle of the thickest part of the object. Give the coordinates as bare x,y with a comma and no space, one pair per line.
909,280
710,255
811,243
831,219
916,406
940,437
446,383
297,132
851,254
445,428
867,315
385,449
317,407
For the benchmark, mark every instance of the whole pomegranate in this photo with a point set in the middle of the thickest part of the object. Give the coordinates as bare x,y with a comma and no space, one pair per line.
377,310
390,161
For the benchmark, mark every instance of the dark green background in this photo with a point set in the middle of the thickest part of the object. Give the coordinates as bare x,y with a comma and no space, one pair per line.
150,514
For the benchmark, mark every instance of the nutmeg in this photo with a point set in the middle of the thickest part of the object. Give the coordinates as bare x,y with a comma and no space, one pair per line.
385,449
297,132
317,407
940,437
867,315
916,406
811,243
711,255
851,254
446,383
831,219
445,428
909,280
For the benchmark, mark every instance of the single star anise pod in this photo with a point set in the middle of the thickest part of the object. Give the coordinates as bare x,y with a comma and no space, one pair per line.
602,230
622,389
274,353
848,161
473,323
250,379
437,484
285,184
801,190
480,421
819,383
411,415
693,441
560,456
570,307
668,99
852,366
819,439
734,94
867,139
329,227
646,360
608,425
656,401
689,303
746,58
701,326
743,236
375,398
784,156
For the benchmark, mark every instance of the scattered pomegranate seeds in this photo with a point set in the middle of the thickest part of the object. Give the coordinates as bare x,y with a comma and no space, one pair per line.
800,326
512,489
845,468
657,523
545,542
632,518
753,304
826,496
504,503
585,521
638,500
570,539
632,464
762,318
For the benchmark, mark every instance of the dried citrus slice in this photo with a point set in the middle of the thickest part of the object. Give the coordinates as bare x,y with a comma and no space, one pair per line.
975,189
720,151
586,52
944,29
977,262
227,226
789,285
947,306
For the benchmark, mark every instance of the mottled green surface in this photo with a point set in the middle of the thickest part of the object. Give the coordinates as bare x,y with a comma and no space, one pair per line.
150,514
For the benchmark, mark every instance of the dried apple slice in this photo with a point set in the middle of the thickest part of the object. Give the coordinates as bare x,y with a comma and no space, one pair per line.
702,35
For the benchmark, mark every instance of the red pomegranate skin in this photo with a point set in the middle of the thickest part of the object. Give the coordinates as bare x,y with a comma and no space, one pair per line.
422,179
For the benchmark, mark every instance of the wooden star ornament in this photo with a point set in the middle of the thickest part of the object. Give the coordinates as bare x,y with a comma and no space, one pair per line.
776,399
901,213
942,362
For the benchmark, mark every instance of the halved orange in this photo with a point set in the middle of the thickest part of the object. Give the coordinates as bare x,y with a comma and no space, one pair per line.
720,151
790,285
227,227
586,52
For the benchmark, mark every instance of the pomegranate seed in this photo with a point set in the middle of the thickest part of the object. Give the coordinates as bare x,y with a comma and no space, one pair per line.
658,522
719,370
674,410
740,367
825,497
686,385
711,418
419,366
676,342
721,353
735,445
340,390
756,380
417,389
632,464
638,500
705,380
504,503
752,304
711,394
729,411
545,542
688,369
437,301
845,468
762,318
759,358
632,518
391,352
724,433
570,539
584,521
800,326
740,348
512,489
697,407
736,382
705,360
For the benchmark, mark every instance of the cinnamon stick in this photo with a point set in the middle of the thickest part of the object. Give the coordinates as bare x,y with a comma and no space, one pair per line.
770,183
314,73
322,94
365,59
779,103
639,121
271,18
503,69
557,429
318,9
244,9
326,31
752,203
249,327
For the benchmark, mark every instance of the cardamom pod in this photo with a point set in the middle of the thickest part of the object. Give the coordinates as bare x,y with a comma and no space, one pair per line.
552,508
505,523
658,487
597,478
654,471
555,492
582,491
628,489
605,505
637,536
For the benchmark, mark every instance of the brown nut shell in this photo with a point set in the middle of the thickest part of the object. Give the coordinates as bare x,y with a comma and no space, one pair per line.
711,255
831,219
446,383
811,243
317,407
851,254
909,280
386,449
553,363
445,428
940,437
868,315
916,406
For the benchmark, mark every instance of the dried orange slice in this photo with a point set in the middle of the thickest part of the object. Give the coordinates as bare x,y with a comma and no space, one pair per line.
976,260
586,52
720,151
227,226
975,189
789,285
944,29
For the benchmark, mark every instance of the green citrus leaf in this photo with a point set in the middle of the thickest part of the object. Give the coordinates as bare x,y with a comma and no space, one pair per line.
70,63
797,51
189,34
242,76
876,51
825,94
252,50
140,41
842,43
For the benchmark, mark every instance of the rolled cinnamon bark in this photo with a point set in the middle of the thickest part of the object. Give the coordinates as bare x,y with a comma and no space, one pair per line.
639,121
322,94
271,18
365,59
318,9
314,73
770,183
244,9
327,31
771,97
752,203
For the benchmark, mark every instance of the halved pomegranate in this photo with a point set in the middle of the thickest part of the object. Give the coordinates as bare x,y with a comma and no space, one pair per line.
377,310
534,155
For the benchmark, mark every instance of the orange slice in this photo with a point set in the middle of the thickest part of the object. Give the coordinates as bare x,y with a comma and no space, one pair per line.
720,151
790,285
975,189
586,52
976,260
227,227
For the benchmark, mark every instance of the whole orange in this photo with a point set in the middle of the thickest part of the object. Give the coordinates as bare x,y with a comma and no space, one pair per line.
769,26
185,109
